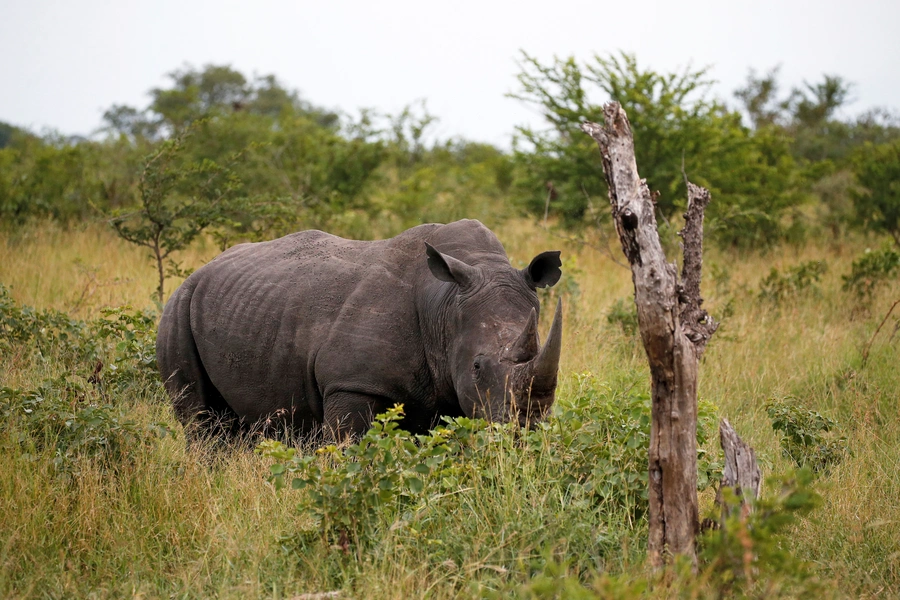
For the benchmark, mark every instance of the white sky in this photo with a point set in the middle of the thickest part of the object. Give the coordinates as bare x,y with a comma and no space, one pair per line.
65,61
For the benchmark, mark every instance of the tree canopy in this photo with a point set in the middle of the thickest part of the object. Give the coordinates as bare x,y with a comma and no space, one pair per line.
778,162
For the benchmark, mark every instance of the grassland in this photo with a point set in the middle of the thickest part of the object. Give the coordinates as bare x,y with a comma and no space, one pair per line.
171,523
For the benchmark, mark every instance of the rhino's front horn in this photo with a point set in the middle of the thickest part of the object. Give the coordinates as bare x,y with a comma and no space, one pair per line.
546,364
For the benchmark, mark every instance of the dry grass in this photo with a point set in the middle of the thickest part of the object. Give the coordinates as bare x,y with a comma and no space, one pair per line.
170,524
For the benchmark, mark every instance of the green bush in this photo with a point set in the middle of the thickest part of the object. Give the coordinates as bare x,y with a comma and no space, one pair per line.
122,340
870,271
748,557
877,170
808,438
596,449
797,280
67,417
383,470
677,127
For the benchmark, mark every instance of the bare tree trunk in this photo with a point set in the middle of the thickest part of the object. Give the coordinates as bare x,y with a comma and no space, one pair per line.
674,331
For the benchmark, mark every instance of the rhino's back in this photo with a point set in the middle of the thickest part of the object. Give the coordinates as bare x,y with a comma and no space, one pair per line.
261,314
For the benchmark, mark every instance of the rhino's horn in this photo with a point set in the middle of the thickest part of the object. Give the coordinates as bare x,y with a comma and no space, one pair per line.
527,345
546,365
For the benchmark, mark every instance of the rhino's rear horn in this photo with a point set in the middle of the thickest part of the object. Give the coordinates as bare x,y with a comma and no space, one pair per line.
527,345
546,365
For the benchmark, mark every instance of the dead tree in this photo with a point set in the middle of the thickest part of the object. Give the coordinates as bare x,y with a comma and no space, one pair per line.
674,331
741,472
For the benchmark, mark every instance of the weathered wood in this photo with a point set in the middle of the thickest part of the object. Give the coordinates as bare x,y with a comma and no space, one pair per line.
741,472
674,331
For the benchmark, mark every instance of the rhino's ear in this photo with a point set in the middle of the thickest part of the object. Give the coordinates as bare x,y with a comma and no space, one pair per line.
447,268
544,270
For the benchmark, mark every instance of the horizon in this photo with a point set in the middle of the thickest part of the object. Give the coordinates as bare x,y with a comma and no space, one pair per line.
74,62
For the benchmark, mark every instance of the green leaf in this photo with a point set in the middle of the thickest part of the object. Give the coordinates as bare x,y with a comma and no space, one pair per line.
415,485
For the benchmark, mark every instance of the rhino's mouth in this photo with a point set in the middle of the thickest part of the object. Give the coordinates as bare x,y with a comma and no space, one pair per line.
530,418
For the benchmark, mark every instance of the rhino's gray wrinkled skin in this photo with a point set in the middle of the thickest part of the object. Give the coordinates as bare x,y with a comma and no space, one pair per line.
312,329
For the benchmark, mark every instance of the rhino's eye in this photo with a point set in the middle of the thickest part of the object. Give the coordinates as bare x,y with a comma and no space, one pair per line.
478,364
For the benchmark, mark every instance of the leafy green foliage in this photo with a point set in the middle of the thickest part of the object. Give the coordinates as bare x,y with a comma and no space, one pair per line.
796,280
669,116
53,177
808,438
218,89
877,170
606,433
122,340
676,128
748,557
72,415
596,449
870,271
386,468
624,314
178,200
68,417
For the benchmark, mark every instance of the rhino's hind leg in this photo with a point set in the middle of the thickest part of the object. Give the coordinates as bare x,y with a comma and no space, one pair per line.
198,405
349,414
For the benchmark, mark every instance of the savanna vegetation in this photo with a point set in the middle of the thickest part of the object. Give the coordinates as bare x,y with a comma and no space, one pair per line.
102,498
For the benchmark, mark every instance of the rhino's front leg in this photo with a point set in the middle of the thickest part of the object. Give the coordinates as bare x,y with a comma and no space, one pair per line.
350,414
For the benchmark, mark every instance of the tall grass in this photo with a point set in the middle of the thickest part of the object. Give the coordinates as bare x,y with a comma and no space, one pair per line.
199,523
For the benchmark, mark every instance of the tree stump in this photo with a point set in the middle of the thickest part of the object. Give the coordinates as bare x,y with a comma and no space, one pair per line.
741,471
674,331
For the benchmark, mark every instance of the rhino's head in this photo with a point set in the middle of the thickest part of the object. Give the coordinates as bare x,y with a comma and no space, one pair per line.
499,369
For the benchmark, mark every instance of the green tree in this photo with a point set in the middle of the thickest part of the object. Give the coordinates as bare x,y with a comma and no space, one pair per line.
178,200
677,130
877,170
49,177
130,122
7,132
822,143
218,90
759,98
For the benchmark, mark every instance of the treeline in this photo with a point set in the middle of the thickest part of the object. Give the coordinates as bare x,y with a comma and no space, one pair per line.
321,168
780,165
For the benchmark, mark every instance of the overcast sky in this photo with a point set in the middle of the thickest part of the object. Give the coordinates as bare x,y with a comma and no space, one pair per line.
66,61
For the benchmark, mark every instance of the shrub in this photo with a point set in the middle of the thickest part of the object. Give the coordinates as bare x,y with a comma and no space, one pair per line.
877,168
748,556
596,448
66,417
808,438
624,314
122,338
796,280
871,270
386,468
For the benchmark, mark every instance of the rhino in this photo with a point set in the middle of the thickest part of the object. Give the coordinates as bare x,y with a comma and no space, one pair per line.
315,333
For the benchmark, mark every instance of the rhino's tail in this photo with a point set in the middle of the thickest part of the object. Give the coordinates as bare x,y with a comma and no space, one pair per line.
198,405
